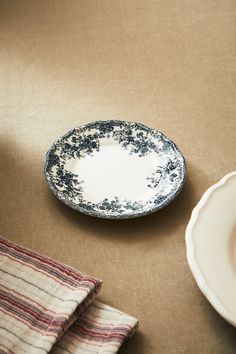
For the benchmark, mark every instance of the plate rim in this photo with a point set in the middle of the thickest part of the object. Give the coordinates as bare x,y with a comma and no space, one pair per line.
190,252
100,214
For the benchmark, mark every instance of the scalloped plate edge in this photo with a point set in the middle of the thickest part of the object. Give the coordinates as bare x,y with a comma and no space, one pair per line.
190,248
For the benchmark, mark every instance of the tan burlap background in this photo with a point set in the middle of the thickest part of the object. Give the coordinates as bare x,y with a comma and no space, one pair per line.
168,64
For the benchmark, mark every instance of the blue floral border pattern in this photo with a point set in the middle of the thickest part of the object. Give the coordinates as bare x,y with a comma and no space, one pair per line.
136,139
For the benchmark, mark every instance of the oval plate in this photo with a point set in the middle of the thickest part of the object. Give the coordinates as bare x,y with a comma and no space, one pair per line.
115,169
211,246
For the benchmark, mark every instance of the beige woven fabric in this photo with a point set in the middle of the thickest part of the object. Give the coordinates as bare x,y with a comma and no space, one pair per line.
169,64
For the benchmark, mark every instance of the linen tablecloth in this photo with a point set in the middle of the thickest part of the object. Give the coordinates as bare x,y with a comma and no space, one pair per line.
49,306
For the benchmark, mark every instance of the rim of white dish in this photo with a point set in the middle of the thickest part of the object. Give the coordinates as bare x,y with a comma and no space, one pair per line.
118,216
190,249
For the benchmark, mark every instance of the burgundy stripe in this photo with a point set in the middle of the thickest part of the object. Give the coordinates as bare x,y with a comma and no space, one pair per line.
96,326
85,339
29,308
42,320
98,334
9,351
32,301
83,285
40,265
31,319
38,270
26,262
93,322
65,270
20,319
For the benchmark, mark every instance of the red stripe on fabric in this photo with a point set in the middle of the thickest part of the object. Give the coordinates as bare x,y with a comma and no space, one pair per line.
9,351
33,301
88,320
80,339
43,272
34,316
36,269
48,268
70,272
34,262
98,334
45,333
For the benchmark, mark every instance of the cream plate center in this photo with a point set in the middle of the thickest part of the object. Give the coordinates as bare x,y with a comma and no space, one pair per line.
112,171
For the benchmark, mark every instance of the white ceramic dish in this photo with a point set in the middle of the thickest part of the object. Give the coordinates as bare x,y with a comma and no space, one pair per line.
115,169
211,246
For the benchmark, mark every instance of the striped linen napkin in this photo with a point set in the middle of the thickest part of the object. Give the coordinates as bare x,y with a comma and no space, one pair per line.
49,306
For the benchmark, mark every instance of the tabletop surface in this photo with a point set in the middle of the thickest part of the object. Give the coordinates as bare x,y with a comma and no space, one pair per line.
168,64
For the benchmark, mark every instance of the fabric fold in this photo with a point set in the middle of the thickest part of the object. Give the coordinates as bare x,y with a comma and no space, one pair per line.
100,329
49,306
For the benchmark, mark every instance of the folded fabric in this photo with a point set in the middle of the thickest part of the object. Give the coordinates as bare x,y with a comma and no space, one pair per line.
49,306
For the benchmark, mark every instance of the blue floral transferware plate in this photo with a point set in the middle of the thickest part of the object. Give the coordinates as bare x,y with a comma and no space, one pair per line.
115,169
